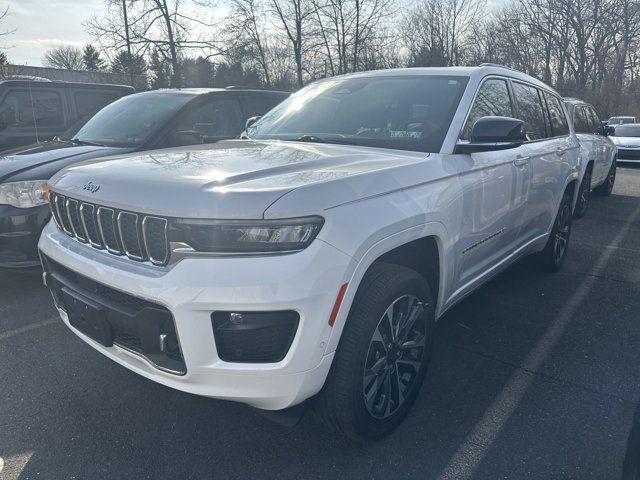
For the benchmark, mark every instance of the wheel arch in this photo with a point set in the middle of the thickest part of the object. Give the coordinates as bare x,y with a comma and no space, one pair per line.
404,248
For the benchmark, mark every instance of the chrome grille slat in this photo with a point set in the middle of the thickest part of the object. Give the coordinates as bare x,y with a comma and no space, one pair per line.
140,237
71,206
108,230
128,228
87,215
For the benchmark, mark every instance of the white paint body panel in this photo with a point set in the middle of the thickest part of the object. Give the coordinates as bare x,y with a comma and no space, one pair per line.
483,210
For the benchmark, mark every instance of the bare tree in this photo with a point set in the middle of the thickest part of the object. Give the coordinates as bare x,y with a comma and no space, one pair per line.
64,56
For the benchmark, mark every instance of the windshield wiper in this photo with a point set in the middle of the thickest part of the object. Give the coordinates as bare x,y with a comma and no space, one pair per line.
77,141
315,139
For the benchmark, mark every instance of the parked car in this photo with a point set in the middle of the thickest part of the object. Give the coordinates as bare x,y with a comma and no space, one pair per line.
38,110
597,153
313,259
144,121
615,121
627,139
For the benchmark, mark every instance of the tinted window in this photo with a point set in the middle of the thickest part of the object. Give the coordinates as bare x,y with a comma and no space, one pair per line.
208,122
581,120
131,120
259,104
492,100
46,108
595,120
401,112
557,117
628,131
87,102
530,110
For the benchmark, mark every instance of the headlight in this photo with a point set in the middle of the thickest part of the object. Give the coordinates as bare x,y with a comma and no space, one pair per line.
247,236
24,194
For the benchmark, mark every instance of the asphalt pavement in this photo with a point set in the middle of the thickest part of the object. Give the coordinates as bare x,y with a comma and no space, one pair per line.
534,376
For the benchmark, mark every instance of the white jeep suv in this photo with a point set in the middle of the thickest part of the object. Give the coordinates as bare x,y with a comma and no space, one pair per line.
597,152
313,259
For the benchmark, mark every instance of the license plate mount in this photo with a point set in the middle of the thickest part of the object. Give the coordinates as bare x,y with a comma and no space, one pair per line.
88,317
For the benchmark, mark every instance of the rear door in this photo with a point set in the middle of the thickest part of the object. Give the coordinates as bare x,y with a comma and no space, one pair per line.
590,144
549,148
605,148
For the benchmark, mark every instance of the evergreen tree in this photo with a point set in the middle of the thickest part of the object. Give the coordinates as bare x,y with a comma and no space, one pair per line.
160,70
121,64
91,58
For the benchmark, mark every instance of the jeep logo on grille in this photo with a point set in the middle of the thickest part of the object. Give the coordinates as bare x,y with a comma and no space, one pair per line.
91,187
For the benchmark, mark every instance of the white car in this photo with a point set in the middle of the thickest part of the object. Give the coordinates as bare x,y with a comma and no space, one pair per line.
627,139
597,153
615,121
313,259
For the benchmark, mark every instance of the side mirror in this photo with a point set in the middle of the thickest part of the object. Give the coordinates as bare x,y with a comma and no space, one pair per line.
250,121
494,133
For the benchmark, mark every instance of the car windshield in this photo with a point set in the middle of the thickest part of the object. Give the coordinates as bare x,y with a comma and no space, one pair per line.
628,130
130,121
398,112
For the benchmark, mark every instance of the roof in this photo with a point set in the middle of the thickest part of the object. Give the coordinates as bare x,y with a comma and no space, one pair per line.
205,91
479,71
49,83
575,101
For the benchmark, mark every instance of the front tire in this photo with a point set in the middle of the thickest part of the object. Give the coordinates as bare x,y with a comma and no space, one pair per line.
551,258
584,195
383,355
606,188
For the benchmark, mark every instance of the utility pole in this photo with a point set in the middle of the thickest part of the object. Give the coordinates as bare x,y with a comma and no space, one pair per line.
126,32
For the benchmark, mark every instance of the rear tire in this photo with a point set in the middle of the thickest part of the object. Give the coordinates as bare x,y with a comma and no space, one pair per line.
606,188
383,355
551,258
584,195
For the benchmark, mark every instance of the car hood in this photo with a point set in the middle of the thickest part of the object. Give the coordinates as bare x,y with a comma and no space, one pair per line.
56,154
629,142
230,179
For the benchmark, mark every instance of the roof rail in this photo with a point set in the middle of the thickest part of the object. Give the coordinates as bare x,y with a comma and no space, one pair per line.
497,65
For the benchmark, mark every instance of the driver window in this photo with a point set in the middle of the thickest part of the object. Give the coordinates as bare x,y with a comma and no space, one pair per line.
209,122
492,100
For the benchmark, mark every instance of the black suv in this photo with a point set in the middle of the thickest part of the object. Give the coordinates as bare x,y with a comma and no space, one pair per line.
33,110
143,121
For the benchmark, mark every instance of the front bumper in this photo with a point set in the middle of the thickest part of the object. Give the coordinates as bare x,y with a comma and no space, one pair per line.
191,290
20,230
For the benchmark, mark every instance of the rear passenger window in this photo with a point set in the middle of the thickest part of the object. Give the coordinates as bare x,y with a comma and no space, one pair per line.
89,102
595,120
559,124
530,111
258,105
492,100
581,120
46,108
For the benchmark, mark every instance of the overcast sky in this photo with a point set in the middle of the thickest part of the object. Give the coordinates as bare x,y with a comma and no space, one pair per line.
42,24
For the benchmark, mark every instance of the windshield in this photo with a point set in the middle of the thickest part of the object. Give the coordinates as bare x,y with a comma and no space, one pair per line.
399,112
628,131
130,121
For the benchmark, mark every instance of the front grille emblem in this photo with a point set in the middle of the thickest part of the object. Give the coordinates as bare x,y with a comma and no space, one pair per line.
91,187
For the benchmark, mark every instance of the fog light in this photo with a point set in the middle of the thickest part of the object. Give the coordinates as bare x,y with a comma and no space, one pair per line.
254,337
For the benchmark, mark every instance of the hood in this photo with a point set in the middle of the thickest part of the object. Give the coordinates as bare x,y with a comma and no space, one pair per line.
55,154
629,142
230,179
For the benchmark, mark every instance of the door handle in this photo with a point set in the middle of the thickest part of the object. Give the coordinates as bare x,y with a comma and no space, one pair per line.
561,152
521,161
